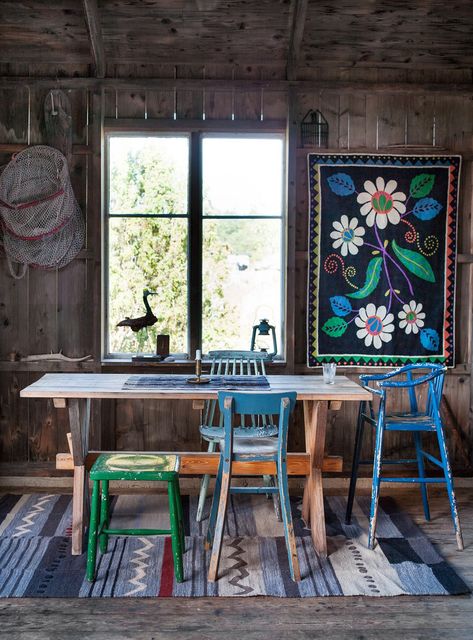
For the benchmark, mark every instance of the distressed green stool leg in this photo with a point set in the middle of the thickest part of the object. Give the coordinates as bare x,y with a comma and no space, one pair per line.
175,533
92,546
180,516
104,517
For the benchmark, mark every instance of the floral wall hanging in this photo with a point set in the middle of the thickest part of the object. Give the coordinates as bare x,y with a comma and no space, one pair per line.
382,246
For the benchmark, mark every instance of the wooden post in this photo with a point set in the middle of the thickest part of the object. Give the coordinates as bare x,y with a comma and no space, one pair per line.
315,421
79,420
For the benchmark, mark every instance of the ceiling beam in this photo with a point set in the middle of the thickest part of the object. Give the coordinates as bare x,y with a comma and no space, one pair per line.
299,12
92,20
195,84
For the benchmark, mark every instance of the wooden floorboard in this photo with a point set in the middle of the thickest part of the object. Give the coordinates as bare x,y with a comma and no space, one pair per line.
342,618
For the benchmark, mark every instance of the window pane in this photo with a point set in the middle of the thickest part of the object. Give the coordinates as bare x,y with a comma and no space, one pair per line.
148,174
243,175
241,280
147,253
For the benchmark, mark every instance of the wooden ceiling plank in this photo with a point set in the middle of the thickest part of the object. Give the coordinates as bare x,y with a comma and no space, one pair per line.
92,19
297,33
337,86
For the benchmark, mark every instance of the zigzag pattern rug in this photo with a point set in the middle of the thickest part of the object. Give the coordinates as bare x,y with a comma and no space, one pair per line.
35,558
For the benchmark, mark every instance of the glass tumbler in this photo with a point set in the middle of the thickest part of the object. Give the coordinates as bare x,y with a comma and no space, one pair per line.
329,371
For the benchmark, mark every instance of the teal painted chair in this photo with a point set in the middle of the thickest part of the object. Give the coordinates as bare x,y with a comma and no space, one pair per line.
134,467
279,405
418,422
234,363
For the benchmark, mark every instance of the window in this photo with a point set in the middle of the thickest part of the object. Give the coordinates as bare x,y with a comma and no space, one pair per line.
197,219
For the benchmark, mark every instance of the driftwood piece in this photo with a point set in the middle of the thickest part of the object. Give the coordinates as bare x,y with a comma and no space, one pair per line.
53,356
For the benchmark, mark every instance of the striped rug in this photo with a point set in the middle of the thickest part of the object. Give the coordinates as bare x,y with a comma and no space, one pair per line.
35,558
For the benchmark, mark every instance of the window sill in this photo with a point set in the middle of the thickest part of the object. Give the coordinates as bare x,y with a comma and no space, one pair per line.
177,366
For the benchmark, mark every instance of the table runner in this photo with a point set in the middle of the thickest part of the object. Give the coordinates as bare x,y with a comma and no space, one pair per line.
233,383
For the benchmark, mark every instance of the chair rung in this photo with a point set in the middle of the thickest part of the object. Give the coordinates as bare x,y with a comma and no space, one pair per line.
410,427
399,461
249,457
254,490
136,532
414,480
432,459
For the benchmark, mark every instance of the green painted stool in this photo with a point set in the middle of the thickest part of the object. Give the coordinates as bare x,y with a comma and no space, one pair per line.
135,466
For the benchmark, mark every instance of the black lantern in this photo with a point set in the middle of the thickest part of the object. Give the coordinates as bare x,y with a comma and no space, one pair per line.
314,130
263,338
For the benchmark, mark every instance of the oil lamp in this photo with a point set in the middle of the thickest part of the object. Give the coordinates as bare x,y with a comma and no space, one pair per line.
263,338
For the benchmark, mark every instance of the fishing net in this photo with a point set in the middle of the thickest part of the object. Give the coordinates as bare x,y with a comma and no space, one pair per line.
41,219
50,252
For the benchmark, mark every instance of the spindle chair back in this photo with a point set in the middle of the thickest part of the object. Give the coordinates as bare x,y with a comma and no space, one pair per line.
416,421
233,363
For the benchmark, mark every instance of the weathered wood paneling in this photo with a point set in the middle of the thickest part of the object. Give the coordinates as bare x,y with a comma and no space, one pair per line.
376,122
61,310
46,310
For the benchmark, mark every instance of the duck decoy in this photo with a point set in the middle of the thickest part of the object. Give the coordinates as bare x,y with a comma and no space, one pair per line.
136,324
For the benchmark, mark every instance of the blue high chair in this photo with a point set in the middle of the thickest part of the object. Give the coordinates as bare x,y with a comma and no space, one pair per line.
415,421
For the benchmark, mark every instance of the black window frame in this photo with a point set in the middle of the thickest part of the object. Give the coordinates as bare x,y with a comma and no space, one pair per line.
195,219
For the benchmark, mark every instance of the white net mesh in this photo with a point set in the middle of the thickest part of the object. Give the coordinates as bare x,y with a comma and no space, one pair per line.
42,222
49,252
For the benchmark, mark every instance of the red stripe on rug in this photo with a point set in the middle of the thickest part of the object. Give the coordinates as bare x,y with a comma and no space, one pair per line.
167,571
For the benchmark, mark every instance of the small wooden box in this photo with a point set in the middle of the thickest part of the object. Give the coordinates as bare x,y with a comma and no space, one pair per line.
162,345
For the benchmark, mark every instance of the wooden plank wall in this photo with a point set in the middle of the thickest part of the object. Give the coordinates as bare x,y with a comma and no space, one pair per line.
48,311
421,123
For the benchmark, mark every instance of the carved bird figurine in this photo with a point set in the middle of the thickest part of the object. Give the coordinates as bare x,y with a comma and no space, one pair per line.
136,324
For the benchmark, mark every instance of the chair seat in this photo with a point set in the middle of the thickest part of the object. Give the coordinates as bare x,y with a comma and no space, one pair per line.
264,446
130,466
215,434
409,422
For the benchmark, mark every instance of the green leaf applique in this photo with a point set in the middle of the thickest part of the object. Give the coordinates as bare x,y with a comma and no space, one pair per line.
415,262
422,185
335,327
373,273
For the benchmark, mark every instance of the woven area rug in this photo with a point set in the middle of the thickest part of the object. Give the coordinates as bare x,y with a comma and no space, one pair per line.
35,558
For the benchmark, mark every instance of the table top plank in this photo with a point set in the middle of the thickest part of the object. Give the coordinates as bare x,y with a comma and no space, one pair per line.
110,385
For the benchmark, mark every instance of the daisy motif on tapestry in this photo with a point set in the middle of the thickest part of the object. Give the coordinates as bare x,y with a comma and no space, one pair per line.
382,245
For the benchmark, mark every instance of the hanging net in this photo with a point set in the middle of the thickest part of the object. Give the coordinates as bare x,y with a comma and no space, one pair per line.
41,220
50,252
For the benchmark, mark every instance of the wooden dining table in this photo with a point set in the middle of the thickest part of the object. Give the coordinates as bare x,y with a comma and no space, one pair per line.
75,392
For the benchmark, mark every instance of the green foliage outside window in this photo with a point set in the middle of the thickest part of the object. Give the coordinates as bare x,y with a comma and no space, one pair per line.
152,253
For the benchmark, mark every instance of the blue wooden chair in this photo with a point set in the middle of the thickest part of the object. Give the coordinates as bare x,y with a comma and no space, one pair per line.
417,422
250,449
232,363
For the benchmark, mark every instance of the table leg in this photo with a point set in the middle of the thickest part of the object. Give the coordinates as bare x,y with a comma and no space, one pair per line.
79,421
309,407
315,421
